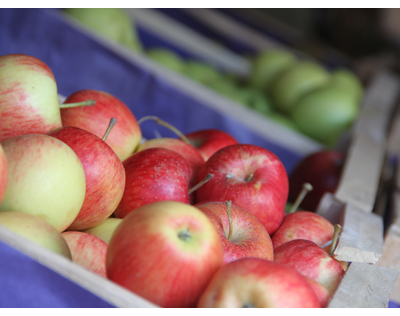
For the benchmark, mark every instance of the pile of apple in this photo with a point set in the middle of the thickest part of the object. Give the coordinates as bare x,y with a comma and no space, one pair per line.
194,221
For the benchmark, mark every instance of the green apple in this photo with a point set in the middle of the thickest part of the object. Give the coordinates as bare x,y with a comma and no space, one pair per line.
45,178
296,81
346,79
167,58
224,87
105,229
283,120
36,230
113,23
267,65
324,114
201,72
254,99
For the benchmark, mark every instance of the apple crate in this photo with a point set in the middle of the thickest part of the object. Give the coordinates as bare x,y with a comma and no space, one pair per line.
79,62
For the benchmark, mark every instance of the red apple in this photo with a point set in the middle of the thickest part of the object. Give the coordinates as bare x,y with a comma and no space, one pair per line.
322,170
125,136
87,250
3,173
241,233
312,261
28,97
303,225
251,177
255,282
320,291
209,141
166,252
154,174
189,152
104,174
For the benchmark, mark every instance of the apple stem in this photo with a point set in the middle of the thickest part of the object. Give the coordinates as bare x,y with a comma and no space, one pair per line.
76,104
306,188
336,232
207,178
113,121
228,210
167,125
250,177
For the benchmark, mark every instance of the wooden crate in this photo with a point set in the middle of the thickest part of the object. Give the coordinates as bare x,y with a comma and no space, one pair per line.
365,284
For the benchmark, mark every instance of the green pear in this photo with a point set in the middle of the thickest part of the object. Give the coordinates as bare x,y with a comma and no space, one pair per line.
113,23
296,81
167,58
45,179
201,72
267,65
324,114
36,230
105,229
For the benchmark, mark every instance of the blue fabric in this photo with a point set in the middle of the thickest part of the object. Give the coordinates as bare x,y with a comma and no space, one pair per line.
79,62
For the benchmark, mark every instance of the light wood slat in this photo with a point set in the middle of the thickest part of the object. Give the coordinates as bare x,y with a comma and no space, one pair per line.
364,286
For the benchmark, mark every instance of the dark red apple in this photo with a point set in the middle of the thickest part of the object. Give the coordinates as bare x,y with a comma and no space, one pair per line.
322,170
154,174
209,141
251,177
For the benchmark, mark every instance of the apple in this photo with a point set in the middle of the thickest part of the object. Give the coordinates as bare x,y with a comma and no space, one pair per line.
3,173
283,120
113,23
201,72
303,225
255,282
154,174
87,251
105,229
324,114
188,151
125,136
322,169
209,141
297,80
320,291
45,178
312,261
167,58
28,97
36,230
254,99
267,65
165,252
104,173
251,177
347,80
241,233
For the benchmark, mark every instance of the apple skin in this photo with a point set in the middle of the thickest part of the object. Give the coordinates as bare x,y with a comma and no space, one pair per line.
36,230
104,173
28,97
249,236
105,229
255,282
189,152
154,174
209,141
311,261
320,291
167,58
125,135
45,178
303,225
3,173
87,251
264,195
166,252
322,170
297,80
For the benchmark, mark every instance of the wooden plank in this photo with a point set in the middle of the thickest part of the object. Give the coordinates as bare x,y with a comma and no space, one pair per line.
364,286
103,288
